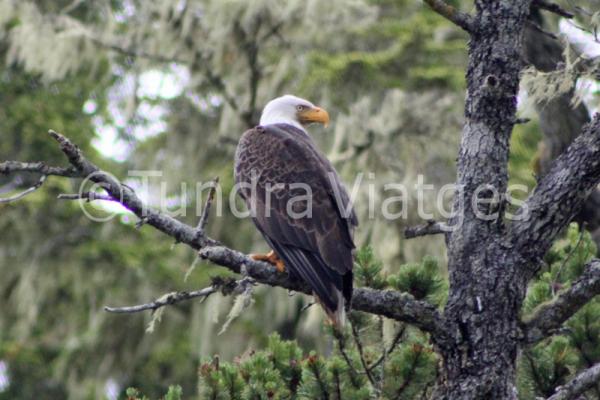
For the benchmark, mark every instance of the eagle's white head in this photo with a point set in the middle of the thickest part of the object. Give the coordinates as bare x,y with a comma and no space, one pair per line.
294,111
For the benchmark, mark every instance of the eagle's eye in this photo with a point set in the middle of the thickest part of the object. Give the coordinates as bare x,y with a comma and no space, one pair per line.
300,107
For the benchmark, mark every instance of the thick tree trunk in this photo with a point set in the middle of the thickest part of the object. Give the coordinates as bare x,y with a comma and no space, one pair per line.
486,289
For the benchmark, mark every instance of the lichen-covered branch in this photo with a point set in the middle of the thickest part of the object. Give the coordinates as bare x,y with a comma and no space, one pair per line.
559,195
549,318
582,382
389,303
8,167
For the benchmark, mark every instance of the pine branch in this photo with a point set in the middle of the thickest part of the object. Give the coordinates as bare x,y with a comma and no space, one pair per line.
463,20
548,318
389,303
582,382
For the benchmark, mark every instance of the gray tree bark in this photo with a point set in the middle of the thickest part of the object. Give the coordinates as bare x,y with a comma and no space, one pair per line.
560,121
492,260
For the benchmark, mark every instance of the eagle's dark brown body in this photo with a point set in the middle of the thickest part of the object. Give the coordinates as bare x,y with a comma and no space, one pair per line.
317,248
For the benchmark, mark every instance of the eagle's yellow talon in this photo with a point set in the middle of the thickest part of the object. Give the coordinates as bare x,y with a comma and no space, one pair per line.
271,258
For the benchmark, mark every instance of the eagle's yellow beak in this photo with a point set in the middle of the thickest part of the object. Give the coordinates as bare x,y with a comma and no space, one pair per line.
315,114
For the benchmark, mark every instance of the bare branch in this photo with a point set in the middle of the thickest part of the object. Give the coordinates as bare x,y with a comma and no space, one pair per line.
558,196
553,8
341,340
165,300
225,286
25,192
361,353
89,196
431,227
465,21
582,382
567,258
548,318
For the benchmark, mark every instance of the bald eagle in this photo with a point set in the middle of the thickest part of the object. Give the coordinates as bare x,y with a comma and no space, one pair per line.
298,202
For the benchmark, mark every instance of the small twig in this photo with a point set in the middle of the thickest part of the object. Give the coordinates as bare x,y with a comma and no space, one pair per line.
553,8
463,20
562,265
519,121
24,193
431,227
168,299
361,353
141,222
390,350
307,306
339,336
226,287
89,196
206,210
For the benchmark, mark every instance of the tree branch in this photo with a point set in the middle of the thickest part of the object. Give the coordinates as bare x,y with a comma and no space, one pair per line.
206,210
388,303
548,318
463,20
558,196
164,300
88,196
8,167
431,227
582,382
225,286
24,193
553,8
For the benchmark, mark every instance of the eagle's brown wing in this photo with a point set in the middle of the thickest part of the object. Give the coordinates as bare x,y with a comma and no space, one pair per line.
284,162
